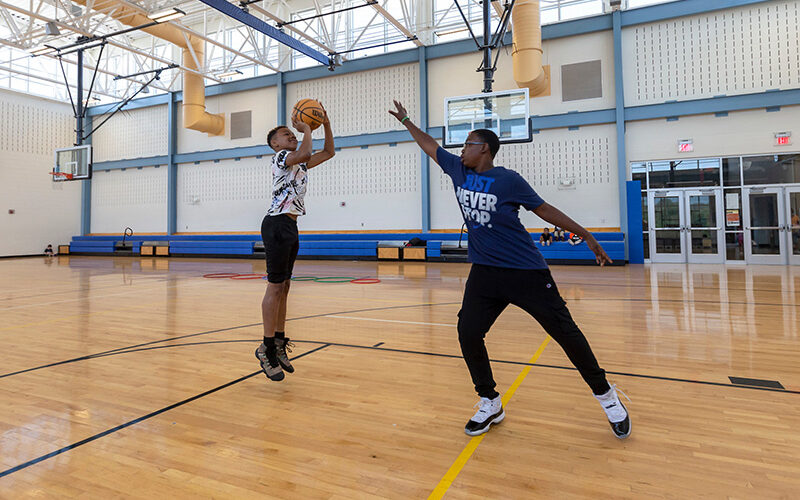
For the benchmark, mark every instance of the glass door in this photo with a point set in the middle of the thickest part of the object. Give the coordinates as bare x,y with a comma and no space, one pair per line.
793,224
764,239
666,227
703,226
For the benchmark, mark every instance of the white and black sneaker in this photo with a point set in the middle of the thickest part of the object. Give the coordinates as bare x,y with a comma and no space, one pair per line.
490,412
269,364
282,346
616,412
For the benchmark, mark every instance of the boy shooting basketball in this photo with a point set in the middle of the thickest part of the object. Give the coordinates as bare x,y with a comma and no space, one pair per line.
280,236
507,268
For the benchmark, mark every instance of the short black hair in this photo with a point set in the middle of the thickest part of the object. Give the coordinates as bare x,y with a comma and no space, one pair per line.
489,138
272,133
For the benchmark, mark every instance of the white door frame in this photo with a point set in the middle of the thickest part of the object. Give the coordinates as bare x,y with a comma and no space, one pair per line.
666,257
702,258
754,258
794,259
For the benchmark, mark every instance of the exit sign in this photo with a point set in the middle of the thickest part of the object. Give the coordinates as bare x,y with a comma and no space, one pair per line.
783,138
685,146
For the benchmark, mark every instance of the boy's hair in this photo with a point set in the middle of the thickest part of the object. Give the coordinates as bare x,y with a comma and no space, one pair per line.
272,133
489,138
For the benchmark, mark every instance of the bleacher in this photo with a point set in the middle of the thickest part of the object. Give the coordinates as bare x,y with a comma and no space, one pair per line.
339,246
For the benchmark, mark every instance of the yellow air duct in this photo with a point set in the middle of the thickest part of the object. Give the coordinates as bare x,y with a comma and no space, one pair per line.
527,52
195,116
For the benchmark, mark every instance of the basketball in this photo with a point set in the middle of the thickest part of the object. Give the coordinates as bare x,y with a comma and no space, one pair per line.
310,112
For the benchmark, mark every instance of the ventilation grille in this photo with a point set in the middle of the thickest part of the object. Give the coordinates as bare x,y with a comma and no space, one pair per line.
581,81
241,125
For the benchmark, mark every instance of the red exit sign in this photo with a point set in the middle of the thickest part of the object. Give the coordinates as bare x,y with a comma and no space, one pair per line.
783,138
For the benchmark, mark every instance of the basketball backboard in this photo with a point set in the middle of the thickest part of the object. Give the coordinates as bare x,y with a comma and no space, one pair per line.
75,161
505,112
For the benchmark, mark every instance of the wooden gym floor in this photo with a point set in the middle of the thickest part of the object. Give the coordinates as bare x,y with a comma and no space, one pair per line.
135,378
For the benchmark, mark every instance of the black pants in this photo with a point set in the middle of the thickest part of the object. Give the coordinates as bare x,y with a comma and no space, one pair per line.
281,243
489,291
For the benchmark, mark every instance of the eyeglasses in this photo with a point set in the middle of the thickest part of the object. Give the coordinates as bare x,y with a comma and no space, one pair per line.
475,143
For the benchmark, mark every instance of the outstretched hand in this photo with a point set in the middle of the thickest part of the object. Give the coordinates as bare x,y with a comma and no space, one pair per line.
601,256
300,125
400,112
325,113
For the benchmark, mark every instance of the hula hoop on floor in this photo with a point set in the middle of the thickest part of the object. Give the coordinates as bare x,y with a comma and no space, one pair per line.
304,278
220,275
365,281
334,279
248,277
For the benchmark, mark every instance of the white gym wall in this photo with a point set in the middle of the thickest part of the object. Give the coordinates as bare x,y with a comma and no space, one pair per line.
740,133
45,212
138,133
456,75
734,51
134,197
573,170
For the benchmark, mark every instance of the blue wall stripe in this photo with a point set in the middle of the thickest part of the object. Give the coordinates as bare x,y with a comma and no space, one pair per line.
172,167
131,163
566,120
619,90
714,105
425,164
86,189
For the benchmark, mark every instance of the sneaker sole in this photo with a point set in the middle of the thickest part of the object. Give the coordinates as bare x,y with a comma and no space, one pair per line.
496,420
275,378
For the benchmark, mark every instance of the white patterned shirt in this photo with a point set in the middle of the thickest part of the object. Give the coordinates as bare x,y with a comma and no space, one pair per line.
288,186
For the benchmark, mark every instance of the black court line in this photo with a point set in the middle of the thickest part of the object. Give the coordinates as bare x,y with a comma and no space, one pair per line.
757,382
140,419
377,347
90,356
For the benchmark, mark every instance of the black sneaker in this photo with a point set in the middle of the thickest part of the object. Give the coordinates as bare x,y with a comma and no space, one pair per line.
622,429
490,412
617,414
283,346
269,364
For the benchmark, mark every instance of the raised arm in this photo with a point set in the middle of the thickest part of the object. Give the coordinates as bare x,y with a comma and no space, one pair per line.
328,150
426,142
558,218
303,153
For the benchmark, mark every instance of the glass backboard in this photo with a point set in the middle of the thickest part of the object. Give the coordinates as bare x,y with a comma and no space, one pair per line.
75,161
506,112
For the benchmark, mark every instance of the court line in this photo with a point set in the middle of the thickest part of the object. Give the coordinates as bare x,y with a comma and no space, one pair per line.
143,347
461,461
168,339
140,419
389,320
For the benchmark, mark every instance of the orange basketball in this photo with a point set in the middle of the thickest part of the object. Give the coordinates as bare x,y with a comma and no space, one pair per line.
310,112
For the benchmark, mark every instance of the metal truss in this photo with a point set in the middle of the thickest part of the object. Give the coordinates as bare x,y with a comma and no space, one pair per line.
350,28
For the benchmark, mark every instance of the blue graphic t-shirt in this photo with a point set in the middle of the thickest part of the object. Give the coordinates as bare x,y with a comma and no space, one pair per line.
490,205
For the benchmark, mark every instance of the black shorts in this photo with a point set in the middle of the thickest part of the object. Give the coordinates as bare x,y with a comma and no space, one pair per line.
281,243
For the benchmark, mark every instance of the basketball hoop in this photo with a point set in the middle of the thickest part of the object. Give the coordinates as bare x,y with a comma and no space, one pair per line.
61,176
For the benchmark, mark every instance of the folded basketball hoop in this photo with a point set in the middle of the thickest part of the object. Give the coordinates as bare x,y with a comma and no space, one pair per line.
61,176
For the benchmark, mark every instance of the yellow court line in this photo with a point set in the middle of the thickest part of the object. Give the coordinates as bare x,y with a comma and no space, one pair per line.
462,459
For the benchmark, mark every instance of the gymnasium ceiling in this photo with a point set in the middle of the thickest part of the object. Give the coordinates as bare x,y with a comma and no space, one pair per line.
233,51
